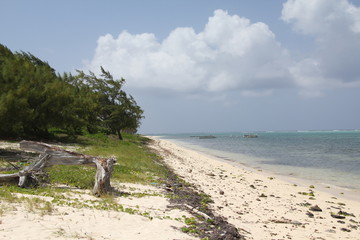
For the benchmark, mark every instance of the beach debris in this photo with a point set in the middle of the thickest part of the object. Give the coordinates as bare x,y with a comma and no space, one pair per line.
252,186
305,204
263,195
286,221
245,231
352,220
221,192
311,193
337,216
315,208
346,213
353,226
192,209
345,230
52,155
168,187
311,215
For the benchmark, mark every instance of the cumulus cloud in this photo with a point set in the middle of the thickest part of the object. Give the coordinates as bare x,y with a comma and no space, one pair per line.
335,24
230,53
233,54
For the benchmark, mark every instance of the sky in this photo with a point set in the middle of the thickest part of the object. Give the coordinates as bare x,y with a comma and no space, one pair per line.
207,65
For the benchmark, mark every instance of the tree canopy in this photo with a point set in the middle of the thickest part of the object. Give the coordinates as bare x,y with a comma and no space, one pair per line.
34,100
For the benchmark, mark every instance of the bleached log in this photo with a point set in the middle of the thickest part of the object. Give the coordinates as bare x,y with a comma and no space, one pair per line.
9,178
51,155
58,155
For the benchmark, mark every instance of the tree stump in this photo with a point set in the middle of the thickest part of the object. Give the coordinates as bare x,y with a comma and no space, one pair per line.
51,155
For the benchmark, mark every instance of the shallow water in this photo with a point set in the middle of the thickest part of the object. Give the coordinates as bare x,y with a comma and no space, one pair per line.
330,157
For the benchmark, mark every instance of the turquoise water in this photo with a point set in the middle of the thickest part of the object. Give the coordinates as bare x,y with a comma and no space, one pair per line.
330,157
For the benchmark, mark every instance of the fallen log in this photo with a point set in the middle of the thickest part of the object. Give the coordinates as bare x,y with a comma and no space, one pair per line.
51,155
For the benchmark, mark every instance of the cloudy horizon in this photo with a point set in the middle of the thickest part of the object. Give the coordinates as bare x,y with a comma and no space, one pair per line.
207,65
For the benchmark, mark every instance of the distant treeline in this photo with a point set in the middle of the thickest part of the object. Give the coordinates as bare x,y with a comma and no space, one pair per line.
35,101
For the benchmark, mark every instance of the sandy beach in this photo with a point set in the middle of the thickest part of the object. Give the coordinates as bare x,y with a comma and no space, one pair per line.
258,204
265,206
132,212
144,218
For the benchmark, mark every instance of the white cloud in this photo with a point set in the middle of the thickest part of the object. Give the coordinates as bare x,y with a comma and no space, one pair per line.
230,53
322,16
335,24
233,54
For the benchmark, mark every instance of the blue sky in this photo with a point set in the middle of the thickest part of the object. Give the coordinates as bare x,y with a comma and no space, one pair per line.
205,65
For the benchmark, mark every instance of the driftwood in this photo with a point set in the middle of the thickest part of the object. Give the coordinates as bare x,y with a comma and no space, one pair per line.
50,155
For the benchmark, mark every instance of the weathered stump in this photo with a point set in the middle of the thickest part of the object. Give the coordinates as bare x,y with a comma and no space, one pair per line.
104,168
50,155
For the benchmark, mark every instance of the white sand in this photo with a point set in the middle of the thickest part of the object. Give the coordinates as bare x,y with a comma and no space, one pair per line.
263,206
260,205
19,221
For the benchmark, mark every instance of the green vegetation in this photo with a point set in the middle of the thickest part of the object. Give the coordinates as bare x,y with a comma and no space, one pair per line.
310,193
135,163
191,225
35,102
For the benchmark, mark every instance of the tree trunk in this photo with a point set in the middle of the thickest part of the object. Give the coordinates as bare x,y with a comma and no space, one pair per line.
50,155
119,134
102,177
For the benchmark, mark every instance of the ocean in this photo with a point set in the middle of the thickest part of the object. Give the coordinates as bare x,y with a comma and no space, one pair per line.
327,157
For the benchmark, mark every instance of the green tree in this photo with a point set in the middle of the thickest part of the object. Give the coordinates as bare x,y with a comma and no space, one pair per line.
116,110
34,99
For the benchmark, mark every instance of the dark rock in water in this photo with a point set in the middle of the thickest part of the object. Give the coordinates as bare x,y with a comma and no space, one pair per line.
315,208
310,214
250,136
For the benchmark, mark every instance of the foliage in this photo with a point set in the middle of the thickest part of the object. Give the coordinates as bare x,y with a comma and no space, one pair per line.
34,100
75,176
135,163
116,110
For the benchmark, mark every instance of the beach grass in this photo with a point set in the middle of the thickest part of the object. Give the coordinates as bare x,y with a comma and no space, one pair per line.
135,164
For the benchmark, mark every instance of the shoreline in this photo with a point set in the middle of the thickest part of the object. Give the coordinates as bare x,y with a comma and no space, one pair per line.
333,189
264,205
